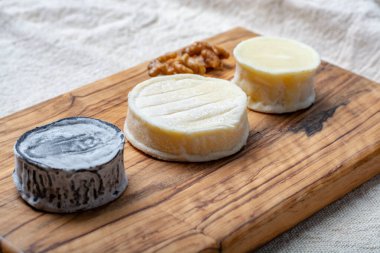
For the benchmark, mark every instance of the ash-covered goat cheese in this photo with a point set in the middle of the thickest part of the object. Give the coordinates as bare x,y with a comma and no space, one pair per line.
70,165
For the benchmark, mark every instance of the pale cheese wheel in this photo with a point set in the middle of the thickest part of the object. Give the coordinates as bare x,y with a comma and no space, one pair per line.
187,118
277,74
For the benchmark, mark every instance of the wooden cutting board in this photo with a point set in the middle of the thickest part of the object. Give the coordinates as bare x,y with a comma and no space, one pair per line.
293,165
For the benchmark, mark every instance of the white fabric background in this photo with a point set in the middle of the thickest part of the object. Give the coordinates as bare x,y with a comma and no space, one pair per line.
51,47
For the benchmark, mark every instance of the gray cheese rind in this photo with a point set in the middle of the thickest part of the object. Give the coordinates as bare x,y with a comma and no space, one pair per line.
77,172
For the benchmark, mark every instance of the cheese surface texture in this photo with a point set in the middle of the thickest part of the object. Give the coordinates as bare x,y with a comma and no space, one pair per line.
277,74
71,144
70,165
187,118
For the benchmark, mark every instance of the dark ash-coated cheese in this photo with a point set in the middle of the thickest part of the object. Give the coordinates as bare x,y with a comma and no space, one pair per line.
70,165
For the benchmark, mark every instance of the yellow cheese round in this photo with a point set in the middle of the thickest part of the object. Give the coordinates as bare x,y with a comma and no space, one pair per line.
187,118
277,74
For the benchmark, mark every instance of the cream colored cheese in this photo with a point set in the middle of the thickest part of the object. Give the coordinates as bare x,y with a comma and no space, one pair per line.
277,74
187,118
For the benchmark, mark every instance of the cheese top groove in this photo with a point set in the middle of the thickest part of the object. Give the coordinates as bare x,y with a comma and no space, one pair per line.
189,105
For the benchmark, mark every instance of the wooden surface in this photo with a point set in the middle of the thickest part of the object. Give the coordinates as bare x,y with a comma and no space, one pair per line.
292,166
7,247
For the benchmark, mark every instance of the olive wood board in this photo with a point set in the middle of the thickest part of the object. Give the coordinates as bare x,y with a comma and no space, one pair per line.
292,166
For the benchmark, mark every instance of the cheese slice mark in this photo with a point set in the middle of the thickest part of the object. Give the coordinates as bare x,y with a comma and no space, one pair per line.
187,118
277,74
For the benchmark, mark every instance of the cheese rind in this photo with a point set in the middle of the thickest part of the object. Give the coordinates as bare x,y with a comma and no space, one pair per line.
187,118
70,165
277,74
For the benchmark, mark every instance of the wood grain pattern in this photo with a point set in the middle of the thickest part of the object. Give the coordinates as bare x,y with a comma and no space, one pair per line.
7,247
292,166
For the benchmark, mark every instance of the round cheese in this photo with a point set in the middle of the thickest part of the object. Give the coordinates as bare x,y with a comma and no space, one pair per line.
187,118
70,165
277,74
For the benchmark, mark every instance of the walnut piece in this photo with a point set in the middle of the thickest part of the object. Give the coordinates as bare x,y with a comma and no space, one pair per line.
194,59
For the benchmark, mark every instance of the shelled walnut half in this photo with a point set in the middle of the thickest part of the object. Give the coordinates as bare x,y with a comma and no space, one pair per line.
194,59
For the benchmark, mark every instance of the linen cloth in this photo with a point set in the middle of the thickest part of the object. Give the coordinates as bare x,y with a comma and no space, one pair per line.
51,47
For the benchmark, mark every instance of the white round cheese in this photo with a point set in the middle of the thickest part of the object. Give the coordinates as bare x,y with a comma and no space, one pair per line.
187,118
70,165
277,74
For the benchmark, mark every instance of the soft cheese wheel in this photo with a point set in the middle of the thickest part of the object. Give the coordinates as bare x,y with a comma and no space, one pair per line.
277,74
187,118
70,165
